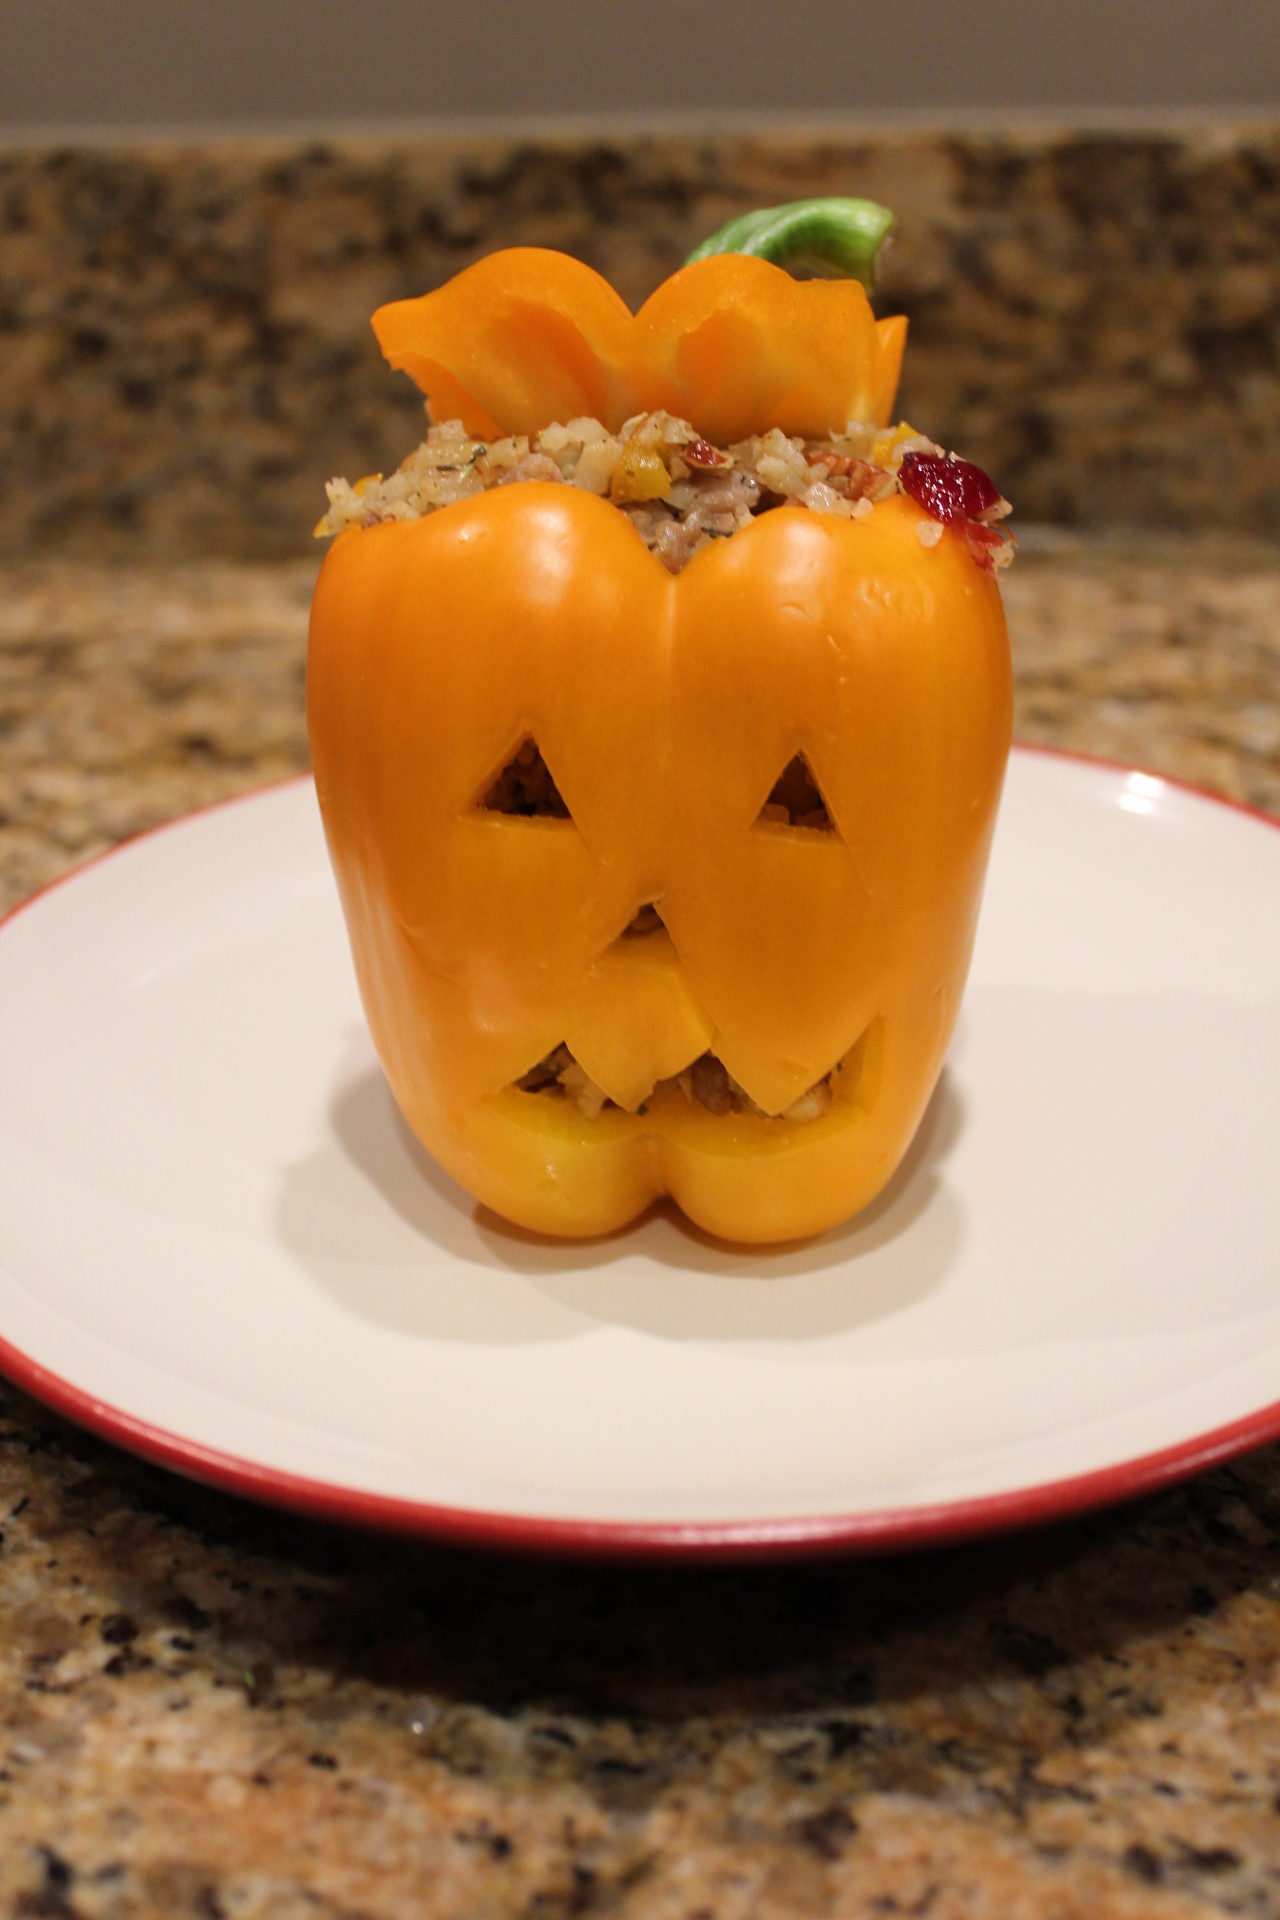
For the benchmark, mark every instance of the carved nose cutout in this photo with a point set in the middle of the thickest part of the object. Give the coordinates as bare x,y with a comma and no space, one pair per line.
795,800
637,939
645,920
524,787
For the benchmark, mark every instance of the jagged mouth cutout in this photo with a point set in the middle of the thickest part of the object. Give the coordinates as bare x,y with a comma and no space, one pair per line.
706,1084
525,789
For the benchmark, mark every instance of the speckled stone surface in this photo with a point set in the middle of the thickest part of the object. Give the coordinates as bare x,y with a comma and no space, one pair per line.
184,339
211,1712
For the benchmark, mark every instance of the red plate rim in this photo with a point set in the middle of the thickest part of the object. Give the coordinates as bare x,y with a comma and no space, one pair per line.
888,1530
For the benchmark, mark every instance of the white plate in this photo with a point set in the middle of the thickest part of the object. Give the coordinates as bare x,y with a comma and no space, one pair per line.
219,1246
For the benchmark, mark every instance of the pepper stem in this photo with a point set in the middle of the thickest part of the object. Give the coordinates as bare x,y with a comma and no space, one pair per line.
836,238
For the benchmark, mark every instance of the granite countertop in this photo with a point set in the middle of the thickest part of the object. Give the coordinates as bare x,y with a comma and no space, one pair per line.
211,1710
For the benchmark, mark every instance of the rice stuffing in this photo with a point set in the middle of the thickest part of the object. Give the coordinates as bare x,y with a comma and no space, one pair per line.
679,491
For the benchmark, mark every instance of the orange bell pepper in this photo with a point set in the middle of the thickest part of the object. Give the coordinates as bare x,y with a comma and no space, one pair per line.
731,342
667,706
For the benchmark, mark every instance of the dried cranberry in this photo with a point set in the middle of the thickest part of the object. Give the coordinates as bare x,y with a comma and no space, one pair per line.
701,453
946,487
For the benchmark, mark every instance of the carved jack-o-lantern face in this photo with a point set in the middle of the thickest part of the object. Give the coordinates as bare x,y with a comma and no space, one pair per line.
546,768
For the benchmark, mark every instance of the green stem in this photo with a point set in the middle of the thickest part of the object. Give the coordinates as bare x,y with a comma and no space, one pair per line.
836,238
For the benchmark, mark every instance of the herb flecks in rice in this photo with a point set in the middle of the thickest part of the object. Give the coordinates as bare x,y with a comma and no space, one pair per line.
678,490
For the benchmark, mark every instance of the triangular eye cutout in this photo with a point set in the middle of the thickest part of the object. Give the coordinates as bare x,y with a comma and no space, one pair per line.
525,787
795,800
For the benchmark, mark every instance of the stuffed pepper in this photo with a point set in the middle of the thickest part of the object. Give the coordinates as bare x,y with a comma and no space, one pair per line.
659,706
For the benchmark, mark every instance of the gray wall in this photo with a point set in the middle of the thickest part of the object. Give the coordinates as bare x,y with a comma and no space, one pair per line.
90,64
